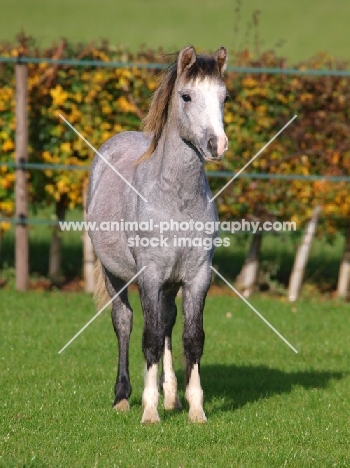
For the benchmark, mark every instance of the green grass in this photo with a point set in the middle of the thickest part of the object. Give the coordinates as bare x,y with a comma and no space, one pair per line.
266,406
306,27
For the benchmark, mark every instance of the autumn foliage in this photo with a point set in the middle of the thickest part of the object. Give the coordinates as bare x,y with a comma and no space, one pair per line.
101,102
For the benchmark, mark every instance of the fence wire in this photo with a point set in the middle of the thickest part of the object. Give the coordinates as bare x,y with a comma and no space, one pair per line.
157,66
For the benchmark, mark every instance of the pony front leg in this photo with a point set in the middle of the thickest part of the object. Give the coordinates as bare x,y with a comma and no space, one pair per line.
168,381
193,340
122,323
152,346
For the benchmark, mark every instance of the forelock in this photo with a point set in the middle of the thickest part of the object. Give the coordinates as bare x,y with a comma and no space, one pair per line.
204,67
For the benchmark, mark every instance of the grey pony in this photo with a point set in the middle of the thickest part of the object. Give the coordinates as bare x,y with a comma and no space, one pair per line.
164,163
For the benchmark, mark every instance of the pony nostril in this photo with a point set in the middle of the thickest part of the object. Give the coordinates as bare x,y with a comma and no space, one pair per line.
212,145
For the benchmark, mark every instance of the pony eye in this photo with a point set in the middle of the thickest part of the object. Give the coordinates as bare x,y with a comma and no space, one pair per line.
186,97
227,97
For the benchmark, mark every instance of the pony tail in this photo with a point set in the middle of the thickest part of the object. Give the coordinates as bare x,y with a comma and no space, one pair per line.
101,296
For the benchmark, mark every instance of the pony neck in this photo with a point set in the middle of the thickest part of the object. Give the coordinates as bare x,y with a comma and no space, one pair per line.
180,175
179,159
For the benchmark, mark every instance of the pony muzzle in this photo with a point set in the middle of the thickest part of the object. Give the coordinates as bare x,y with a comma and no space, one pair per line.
217,145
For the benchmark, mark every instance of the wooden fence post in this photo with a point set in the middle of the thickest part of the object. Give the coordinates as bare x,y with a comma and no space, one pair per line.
302,256
247,277
343,288
21,188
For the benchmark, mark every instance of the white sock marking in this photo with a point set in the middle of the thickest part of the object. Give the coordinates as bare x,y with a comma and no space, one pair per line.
150,395
171,400
194,396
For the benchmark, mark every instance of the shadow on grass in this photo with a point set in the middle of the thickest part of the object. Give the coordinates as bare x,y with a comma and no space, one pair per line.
231,387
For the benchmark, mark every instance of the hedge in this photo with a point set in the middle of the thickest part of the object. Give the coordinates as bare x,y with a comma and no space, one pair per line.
101,102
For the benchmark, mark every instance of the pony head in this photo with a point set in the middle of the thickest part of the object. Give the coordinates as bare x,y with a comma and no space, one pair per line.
191,95
199,97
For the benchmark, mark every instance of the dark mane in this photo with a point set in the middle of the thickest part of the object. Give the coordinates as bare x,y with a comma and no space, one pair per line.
204,67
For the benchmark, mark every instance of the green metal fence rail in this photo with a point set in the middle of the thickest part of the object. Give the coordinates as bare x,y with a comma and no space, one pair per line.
216,174
157,66
213,174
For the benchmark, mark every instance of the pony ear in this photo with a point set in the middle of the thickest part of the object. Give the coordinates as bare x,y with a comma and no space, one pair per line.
221,57
186,59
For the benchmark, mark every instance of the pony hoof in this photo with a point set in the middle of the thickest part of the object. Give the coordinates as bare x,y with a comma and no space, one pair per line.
197,416
123,405
172,404
150,416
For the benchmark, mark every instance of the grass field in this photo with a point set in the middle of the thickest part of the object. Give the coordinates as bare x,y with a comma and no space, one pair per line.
266,406
305,27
